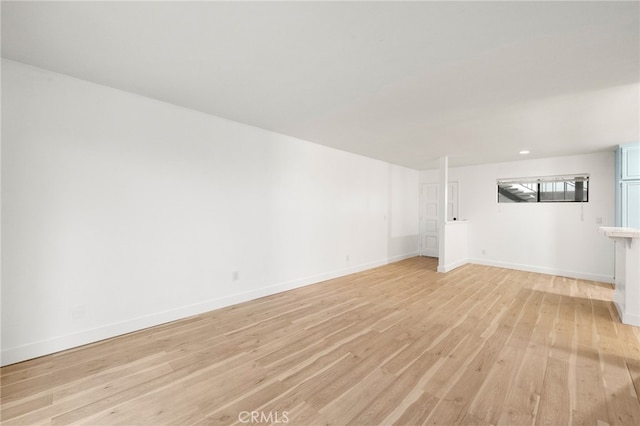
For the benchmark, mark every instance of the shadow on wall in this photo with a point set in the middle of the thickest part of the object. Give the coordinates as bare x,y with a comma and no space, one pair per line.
402,218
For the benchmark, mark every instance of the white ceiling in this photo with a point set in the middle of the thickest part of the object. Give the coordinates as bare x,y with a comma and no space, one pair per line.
404,82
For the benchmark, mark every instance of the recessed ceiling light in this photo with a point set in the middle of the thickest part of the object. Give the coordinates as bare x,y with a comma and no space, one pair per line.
524,152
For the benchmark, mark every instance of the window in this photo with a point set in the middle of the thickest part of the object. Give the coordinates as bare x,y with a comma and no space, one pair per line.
548,189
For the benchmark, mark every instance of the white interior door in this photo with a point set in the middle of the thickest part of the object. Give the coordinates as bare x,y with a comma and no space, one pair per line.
429,203
429,220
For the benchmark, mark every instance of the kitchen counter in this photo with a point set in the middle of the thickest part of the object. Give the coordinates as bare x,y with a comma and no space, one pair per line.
627,272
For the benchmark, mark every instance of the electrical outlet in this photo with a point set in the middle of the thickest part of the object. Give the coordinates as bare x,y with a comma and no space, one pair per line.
347,258
484,251
235,276
598,221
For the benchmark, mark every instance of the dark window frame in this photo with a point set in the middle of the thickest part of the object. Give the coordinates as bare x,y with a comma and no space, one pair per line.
544,189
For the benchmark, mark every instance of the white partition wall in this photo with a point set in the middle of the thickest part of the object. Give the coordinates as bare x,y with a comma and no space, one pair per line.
456,245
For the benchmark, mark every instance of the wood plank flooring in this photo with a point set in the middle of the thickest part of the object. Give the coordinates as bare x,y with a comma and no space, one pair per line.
400,344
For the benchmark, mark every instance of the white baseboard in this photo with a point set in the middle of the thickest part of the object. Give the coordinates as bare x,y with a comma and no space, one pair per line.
60,343
627,318
452,266
400,257
631,319
544,270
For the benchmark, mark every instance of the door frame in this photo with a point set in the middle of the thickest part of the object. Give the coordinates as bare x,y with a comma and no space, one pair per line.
452,199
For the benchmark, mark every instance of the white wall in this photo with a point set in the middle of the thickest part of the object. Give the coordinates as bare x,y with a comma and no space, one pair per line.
403,213
554,238
455,246
120,212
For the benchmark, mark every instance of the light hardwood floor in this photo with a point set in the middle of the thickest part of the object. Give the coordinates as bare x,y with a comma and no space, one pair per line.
399,344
